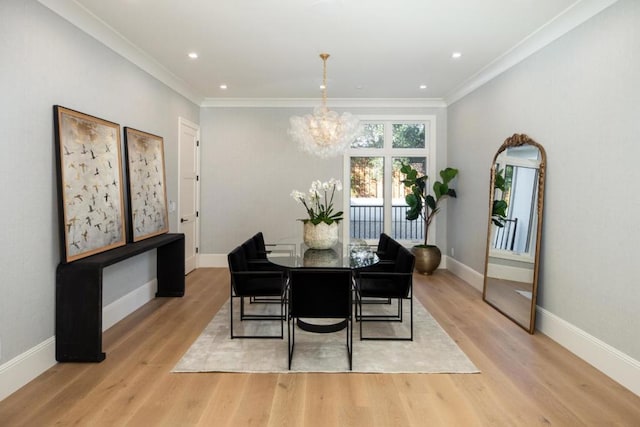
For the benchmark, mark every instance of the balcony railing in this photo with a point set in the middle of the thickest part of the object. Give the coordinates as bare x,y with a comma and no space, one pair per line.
367,222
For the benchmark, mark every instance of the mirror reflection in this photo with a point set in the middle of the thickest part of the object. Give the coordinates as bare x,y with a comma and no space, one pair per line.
513,242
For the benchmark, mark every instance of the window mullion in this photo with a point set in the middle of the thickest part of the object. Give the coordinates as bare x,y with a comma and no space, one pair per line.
387,153
388,168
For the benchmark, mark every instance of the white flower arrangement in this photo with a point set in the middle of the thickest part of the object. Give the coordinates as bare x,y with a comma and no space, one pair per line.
318,202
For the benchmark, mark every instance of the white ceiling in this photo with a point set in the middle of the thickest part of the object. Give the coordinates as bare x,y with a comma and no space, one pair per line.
379,49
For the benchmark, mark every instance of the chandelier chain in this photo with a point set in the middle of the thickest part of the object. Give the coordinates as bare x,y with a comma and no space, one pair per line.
324,57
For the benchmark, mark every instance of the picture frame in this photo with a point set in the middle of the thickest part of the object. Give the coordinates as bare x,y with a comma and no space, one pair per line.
148,213
90,186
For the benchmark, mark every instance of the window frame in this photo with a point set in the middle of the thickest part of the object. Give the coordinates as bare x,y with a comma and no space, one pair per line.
387,152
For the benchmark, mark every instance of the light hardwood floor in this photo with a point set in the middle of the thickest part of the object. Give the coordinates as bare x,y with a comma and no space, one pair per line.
526,380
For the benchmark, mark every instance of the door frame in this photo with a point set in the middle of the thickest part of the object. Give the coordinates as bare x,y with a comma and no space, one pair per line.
187,123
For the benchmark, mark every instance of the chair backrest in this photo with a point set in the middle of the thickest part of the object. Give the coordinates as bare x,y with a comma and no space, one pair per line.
237,260
383,243
391,252
320,293
405,261
261,247
250,249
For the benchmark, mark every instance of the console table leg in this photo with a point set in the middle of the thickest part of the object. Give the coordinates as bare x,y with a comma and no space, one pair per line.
170,269
79,314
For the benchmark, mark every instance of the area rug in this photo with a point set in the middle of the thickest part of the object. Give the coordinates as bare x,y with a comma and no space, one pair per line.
431,351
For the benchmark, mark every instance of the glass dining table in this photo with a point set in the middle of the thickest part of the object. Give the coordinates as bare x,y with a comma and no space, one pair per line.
352,256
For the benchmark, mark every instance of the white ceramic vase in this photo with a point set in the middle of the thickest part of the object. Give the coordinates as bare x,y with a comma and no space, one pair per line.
321,236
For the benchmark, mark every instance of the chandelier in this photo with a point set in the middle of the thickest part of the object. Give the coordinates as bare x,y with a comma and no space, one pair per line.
324,133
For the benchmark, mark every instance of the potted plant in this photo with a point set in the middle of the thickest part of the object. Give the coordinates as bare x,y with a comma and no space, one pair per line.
426,206
321,228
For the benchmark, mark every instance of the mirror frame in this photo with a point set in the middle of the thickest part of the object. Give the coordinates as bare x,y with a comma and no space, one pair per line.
518,140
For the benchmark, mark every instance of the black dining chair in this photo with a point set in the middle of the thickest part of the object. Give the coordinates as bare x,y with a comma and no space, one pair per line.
256,251
383,241
321,294
255,284
387,250
256,256
395,285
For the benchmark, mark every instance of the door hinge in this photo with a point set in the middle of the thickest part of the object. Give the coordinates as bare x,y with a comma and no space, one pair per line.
197,143
197,214
197,177
197,249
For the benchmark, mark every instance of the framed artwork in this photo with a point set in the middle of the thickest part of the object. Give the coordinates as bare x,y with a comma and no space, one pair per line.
90,192
147,189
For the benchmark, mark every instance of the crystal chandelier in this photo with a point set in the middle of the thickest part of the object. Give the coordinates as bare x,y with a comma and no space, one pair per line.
324,133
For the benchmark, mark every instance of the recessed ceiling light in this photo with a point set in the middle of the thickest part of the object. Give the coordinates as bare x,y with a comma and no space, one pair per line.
322,87
193,55
223,87
456,55
423,87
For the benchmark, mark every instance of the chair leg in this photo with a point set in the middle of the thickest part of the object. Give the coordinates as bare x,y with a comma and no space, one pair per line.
283,310
231,316
256,317
361,319
291,339
411,314
350,342
400,318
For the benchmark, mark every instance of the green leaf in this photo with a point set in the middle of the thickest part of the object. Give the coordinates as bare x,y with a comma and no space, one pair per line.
440,189
422,181
413,214
430,201
499,208
448,174
411,199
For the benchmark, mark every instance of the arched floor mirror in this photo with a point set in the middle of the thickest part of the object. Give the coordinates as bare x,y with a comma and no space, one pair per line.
514,230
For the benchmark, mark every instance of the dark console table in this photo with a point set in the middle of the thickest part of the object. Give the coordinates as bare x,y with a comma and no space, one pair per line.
79,293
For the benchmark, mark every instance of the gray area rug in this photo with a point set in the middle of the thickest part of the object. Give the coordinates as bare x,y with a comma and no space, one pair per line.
431,351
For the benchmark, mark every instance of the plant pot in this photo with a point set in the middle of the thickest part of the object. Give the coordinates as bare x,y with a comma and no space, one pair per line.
321,236
427,259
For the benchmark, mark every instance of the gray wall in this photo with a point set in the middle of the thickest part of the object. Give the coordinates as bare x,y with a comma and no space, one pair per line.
47,61
580,98
250,166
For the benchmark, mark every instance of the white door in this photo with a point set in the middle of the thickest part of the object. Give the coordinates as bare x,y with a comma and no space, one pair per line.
189,191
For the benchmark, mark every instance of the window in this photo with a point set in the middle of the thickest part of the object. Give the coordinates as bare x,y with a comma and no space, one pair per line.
375,194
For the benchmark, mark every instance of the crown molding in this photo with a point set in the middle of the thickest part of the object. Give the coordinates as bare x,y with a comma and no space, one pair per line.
333,102
566,21
101,31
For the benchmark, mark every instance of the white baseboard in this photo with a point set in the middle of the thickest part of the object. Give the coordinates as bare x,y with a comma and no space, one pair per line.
466,273
124,306
610,361
509,272
213,260
23,368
